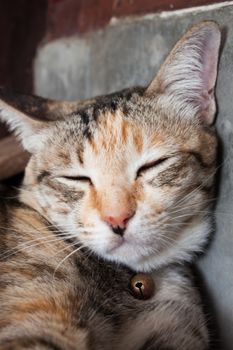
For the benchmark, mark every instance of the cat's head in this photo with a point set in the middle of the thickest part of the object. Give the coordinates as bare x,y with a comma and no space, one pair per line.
129,175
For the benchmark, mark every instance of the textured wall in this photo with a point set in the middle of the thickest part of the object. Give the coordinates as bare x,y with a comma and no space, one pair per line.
129,52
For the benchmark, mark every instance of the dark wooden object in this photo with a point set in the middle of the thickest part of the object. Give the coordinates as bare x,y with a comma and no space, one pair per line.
22,26
67,17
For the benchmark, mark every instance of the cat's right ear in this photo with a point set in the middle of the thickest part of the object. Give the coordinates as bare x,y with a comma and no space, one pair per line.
186,81
30,116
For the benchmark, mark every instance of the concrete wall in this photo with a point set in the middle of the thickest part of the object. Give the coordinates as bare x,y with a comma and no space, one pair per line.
129,52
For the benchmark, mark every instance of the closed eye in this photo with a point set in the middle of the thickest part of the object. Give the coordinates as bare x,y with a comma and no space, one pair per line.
150,165
78,178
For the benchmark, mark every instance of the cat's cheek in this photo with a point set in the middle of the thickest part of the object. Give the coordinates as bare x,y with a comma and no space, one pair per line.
89,208
155,200
158,199
91,231
48,203
86,215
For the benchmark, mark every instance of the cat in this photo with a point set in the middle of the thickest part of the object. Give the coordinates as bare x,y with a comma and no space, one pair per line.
116,186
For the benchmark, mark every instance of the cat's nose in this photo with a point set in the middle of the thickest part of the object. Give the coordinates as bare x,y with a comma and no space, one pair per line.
118,222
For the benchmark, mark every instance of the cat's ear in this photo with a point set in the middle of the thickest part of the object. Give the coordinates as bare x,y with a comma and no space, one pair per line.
186,80
30,116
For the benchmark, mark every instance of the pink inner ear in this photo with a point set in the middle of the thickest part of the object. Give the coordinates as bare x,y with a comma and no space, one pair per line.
208,75
210,54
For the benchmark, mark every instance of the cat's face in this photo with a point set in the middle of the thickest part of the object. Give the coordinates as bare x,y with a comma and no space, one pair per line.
130,176
133,190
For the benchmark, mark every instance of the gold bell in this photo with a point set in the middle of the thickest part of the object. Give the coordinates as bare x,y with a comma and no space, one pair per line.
142,286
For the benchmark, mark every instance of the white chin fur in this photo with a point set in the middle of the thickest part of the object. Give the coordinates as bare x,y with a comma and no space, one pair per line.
191,240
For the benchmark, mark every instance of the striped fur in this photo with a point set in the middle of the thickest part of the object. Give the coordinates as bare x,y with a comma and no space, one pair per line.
148,154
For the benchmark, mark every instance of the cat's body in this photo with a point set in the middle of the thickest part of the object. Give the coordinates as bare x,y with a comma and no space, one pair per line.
116,185
87,303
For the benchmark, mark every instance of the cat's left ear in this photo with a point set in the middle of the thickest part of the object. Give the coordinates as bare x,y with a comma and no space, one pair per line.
29,116
186,80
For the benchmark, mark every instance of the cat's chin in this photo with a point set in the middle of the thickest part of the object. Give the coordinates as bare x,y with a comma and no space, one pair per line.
116,247
192,240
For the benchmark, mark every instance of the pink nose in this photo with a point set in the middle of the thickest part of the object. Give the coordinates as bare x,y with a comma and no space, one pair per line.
119,220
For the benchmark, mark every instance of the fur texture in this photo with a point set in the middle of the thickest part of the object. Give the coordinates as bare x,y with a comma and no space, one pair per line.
116,184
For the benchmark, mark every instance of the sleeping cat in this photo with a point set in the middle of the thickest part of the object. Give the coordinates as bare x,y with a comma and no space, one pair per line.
117,185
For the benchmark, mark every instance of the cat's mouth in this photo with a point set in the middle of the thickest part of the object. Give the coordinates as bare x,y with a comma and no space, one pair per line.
121,247
117,244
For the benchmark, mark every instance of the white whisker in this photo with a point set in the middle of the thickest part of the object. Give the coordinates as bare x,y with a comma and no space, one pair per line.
25,247
67,257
